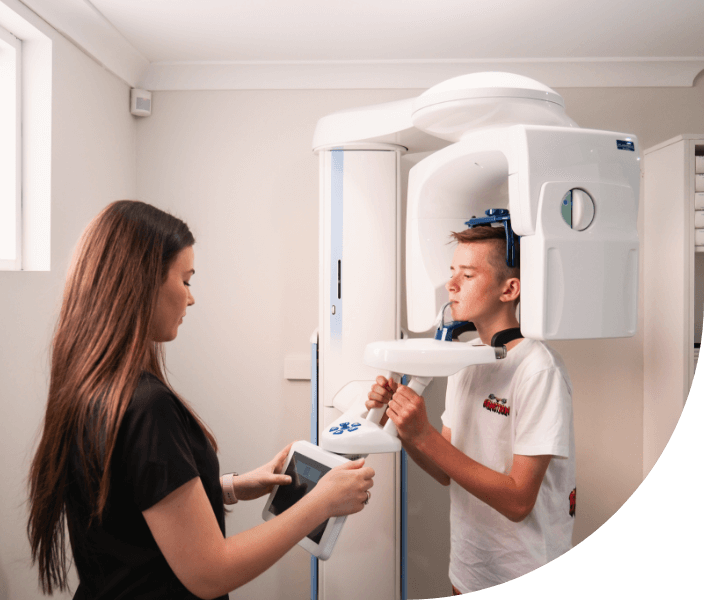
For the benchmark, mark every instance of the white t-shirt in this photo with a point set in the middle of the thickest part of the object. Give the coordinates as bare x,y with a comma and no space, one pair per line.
519,405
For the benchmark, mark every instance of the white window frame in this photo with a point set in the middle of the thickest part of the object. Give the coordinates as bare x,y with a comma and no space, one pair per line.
13,189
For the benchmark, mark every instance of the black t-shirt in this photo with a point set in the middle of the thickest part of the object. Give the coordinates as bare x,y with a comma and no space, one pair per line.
159,447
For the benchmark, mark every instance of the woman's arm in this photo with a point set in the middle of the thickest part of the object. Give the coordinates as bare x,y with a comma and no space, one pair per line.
259,482
209,565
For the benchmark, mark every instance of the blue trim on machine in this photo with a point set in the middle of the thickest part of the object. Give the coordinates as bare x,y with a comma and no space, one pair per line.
404,525
500,215
314,440
314,394
313,577
337,168
404,517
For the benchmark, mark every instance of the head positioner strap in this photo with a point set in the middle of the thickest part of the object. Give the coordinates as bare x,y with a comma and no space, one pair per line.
500,215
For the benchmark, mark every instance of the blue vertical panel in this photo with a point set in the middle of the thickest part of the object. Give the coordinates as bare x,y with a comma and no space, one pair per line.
314,440
336,178
314,578
404,524
314,394
404,517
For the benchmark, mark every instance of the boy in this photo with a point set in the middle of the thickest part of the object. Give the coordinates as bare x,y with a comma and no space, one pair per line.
507,443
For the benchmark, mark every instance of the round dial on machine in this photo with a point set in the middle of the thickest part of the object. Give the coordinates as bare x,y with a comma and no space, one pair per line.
577,209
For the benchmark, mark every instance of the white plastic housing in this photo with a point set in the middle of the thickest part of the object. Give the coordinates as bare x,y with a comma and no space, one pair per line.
358,432
140,102
354,434
574,284
359,215
359,226
426,357
462,105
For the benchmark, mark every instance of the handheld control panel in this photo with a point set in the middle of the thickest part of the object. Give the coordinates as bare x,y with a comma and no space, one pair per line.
306,464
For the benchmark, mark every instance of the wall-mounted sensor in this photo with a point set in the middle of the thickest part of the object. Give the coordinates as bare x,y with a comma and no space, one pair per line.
140,102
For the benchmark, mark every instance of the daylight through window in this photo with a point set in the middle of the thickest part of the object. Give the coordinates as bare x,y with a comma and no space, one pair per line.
10,139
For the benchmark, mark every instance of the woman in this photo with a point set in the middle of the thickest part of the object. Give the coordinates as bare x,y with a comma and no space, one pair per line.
125,465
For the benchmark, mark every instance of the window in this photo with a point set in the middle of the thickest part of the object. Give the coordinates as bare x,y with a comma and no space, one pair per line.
10,152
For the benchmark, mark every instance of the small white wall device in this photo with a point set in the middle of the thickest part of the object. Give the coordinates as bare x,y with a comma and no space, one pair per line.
306,464
140,102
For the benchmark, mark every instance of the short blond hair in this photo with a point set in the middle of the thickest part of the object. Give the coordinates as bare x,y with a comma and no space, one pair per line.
496,236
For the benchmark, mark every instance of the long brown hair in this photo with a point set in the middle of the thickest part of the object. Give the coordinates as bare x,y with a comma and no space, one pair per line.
101,346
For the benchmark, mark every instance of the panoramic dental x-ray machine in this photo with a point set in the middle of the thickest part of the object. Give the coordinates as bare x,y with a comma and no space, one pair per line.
487,149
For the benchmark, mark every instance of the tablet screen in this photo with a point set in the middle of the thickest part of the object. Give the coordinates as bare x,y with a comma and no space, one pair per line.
305,473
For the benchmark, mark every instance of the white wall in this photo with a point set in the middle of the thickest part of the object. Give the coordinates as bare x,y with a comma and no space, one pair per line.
93,163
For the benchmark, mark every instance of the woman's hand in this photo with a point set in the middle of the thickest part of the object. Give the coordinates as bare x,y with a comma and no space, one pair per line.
380,395
259,482
344,489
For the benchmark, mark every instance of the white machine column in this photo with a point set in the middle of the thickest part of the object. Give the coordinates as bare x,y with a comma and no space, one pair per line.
359,303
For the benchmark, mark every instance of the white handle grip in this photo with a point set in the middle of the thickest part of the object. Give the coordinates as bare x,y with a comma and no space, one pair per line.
375,414
418,384
390,428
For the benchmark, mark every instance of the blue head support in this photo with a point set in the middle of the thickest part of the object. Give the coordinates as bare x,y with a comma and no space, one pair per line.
500,215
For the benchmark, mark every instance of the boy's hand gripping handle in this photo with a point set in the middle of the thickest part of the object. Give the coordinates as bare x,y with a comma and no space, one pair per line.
375,414
417,384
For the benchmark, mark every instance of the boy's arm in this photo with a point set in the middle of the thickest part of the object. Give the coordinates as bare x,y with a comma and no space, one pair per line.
512,495
428,465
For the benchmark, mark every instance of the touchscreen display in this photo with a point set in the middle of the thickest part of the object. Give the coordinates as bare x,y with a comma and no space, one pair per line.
305,473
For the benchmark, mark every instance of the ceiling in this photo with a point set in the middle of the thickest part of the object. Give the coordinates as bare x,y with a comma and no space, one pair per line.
275,30
192,36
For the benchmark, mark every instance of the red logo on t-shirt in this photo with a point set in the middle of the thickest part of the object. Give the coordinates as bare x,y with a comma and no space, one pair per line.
497,405
573,502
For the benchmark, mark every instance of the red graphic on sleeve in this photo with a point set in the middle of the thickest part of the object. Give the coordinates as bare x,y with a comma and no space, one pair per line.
573,502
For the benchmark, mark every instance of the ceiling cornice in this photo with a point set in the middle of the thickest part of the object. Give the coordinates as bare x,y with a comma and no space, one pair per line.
85,27
81,23
411,74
